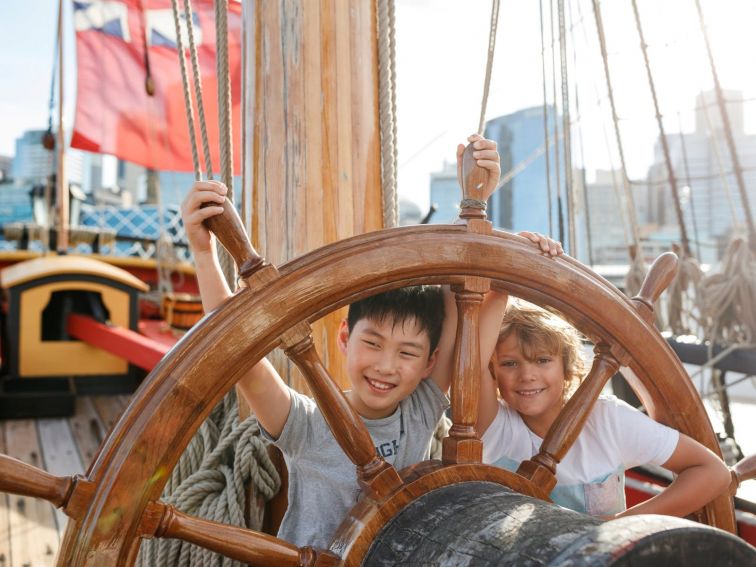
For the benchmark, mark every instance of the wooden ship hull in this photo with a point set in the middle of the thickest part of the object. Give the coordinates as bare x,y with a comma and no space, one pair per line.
313,127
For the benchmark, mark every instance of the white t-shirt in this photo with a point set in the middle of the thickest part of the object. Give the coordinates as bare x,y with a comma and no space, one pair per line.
591,477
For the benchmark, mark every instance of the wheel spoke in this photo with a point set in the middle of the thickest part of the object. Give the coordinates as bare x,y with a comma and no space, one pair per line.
71,493
229,229
248,546
463,444
541,469
374,474
659,277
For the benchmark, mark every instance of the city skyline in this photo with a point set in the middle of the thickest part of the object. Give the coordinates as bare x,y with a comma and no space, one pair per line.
703,173
456,70
440,80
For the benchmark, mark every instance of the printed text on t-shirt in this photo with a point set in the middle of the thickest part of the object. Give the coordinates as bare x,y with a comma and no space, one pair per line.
387,449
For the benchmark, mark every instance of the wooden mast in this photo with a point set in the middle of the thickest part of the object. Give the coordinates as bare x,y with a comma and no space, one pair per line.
60,177
312,137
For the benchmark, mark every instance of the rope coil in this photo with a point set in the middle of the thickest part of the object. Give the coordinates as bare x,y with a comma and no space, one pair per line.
728,298
209,482
681,295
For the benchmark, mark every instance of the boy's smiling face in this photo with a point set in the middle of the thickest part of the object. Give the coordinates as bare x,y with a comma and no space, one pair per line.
386,360
534,387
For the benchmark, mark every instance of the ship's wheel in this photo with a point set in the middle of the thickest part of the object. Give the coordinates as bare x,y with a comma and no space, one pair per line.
118,502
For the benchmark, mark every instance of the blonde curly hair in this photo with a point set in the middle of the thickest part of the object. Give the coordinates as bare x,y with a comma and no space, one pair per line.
539,331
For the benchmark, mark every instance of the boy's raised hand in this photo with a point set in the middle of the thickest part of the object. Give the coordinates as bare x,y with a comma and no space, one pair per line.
486,156
192,213
547,245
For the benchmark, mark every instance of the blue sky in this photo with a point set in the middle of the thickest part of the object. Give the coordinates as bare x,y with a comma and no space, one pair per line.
27,40
440,72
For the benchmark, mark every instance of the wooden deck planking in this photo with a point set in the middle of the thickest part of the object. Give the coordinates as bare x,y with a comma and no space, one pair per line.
124,399
109,408
33,531
87,429
60,455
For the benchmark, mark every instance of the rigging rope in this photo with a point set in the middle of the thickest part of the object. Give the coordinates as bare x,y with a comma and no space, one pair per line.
566,128
489,63
599,103
387,109
224,96
709,177
728,309
227,265
690,188
188,19
560,218
582,187
720,166
728,135
209,481
637,270
546,142
662,136
62,218
729,299
629,204
187,92
522,165
688,272
224,123
48,142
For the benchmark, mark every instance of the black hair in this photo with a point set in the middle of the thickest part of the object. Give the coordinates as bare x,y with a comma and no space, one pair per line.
421,303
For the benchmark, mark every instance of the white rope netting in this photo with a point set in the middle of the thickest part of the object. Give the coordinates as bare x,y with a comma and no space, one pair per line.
728,297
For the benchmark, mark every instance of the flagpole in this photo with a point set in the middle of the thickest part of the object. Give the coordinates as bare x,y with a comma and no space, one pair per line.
62,186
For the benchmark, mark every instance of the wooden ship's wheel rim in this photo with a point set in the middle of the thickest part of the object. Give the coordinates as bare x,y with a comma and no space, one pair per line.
117,504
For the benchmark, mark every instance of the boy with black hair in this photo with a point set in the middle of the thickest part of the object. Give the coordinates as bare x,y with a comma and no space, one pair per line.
390,342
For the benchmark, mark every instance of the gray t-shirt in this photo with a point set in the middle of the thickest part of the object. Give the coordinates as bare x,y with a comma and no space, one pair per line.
323,481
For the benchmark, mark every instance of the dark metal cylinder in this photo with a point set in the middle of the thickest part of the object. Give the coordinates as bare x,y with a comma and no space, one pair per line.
482,523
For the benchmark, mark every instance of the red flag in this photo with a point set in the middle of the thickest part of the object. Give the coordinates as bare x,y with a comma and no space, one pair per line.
114,113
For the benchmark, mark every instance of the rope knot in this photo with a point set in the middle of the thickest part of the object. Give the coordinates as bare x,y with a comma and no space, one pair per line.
473,204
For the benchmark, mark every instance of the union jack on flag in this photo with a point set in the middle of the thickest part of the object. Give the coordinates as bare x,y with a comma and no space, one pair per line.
115,40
